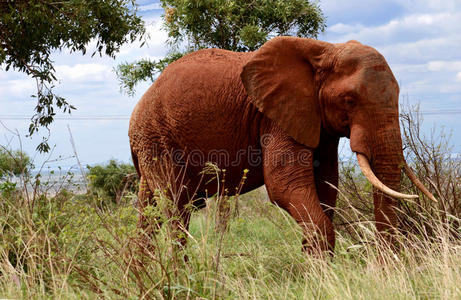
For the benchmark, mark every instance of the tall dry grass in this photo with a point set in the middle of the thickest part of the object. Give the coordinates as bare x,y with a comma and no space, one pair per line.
63,245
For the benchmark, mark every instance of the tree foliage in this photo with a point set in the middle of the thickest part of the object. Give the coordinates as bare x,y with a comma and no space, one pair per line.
112,180
236,25
14,163
30,31
130,74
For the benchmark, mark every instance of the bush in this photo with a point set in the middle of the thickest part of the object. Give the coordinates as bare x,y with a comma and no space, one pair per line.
432,159
14,163
112,180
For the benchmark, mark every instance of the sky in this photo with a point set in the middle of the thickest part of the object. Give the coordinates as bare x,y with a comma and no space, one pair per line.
420,39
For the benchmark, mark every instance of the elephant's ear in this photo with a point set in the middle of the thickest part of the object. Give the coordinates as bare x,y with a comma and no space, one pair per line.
279,78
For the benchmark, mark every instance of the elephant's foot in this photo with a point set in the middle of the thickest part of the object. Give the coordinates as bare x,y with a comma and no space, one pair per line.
388,245
138,254
148,229
314,250
318,242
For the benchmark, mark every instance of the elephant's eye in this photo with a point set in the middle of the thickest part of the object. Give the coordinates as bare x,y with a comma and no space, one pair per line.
349,102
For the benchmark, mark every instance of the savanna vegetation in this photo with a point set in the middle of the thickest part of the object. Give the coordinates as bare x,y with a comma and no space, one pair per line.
64,244
57,241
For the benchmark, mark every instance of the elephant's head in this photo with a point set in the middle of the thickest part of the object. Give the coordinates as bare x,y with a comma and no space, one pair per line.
345,90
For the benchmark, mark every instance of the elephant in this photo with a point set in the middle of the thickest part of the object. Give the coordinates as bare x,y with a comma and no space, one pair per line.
278,114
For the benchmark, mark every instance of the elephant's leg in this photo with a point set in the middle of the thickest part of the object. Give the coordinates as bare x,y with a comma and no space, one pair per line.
326,173
290,182
180,225
148,225
145,199
175,214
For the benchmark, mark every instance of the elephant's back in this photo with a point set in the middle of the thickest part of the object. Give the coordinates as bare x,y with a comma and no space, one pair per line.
198,101
199,105
202,80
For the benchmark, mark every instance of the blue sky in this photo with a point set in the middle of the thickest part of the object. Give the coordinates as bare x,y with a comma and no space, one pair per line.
421,40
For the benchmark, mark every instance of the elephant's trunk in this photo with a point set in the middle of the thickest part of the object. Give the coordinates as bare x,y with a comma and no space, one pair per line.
386,164
384,174
380,159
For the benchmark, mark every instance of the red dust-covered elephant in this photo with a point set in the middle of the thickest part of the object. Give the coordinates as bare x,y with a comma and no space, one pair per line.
279,113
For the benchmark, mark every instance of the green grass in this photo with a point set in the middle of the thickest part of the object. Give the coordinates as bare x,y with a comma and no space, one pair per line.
69,248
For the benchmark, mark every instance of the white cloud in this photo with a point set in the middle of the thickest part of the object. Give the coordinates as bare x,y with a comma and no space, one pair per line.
414,68
151,6
433,77
409,28
341,28
450,87
431,5
17,89
458,77
423,50
415,6
155,45
446,66
83,72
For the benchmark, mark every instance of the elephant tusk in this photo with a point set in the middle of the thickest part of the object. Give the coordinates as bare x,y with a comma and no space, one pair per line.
418,183
366,170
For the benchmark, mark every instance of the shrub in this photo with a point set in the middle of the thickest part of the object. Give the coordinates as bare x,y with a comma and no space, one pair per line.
112,180
14,162
432,159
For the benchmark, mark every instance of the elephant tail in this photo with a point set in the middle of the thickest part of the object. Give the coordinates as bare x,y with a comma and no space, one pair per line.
136,164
